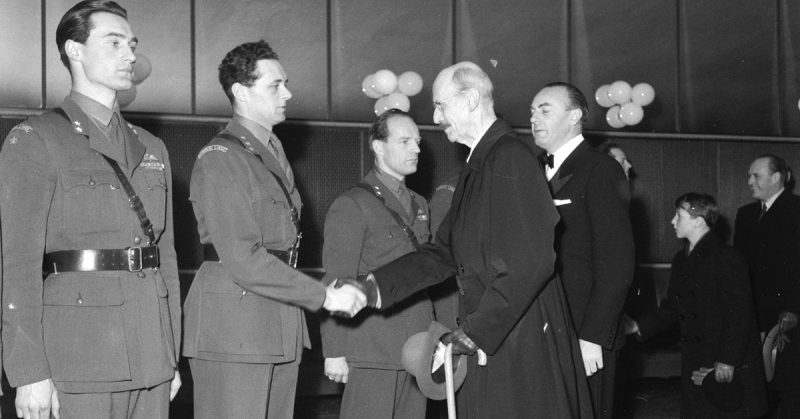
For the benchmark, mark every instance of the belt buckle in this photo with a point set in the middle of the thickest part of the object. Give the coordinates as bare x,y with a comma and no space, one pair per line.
134,256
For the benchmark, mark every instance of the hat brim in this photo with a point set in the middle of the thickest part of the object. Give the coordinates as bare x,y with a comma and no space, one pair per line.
769,352
417,359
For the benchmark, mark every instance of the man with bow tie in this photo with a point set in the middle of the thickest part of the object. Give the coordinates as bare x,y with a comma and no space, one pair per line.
594,241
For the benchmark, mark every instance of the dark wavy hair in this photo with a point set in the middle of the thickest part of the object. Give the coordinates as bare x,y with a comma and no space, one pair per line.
239,65
575,98
699,205
77,23
379,131
778,165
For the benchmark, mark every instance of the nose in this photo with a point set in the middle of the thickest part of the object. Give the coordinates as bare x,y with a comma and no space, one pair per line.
751,180
437,115
415,148
674,220
286,93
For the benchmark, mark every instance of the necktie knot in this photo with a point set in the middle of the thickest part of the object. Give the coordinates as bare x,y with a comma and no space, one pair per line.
763,211
549,161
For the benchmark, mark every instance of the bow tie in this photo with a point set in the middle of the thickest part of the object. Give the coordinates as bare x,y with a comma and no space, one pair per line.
549,161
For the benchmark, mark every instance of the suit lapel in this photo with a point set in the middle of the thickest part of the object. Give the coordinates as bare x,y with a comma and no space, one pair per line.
567,169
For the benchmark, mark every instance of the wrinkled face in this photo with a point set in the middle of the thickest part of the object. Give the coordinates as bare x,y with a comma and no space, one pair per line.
683,223
762,181
551,118
399,154
266,98
450,109
622,159
107,56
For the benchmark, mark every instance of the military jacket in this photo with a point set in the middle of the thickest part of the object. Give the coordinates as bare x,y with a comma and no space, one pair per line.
248,307
361,235
88,331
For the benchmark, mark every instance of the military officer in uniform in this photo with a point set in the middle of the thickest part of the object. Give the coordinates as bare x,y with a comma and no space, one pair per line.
372,223
87,196
245,327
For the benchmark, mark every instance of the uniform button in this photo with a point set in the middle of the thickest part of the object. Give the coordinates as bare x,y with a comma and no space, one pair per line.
12,306
141,275
137,240
112,187
458,321
92,182
79,300
244,292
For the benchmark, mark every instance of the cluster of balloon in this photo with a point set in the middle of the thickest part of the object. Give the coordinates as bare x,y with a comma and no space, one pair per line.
390,90
141,70
624,102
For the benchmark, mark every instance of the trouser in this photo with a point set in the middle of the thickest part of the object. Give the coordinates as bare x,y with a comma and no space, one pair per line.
241,390
601,386
149,403
376,393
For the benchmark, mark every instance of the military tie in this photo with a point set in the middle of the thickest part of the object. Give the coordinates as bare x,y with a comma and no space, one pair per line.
276,149
405,198
117,136
763,211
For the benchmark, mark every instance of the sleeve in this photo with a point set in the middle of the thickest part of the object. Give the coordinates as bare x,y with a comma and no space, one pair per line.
613,252
345,230
169,260
224,209
519,246
27,184
733,286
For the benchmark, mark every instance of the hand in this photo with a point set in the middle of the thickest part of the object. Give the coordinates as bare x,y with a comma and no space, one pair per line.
344,300
367,285
699,375
724,372
175,385
592,354
462,344
37,400
629,326
336,369
787,320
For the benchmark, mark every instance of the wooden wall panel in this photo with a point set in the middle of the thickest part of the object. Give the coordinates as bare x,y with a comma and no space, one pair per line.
790,58
729,67
296,30
631,41
21,45
521,46
369,35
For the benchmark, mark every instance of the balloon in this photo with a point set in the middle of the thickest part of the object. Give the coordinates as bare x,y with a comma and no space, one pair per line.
619,92
125,97
409,83
398,100
368,87
601,96
631,113
643,94
381,105
612,117
141,68
385,82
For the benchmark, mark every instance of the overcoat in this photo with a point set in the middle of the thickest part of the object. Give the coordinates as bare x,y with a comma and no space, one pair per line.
361,235
498,238
709,297
248,306
772,249
101,331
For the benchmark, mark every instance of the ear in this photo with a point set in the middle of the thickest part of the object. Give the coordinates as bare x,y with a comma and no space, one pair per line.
240,92
377,147
72,49
473,98
575,116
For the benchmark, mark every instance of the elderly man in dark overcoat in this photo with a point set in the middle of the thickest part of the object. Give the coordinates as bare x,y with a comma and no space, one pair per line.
498,239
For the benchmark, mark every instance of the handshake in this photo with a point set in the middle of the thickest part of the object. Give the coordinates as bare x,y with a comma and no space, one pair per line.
345,297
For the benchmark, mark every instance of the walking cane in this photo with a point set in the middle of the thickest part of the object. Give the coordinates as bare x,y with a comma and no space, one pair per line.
448,381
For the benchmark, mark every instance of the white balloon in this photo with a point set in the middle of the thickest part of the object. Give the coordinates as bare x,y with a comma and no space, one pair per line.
126,97
631,113
601,96
368,87
643,94
381,106
409,83
385,81
399,101
619,92
612,117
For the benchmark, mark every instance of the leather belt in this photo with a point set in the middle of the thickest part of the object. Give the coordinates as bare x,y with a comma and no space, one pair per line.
132,259
287,256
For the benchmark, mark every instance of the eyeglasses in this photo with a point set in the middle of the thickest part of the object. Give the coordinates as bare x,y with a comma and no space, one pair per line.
439,104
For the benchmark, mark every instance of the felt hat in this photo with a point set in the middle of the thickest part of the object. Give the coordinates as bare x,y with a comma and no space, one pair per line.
725,396
769,352
417,359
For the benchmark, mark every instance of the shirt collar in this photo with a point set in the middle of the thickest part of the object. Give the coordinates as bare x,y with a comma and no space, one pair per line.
772,199
94,109
391,182
262,134
563,152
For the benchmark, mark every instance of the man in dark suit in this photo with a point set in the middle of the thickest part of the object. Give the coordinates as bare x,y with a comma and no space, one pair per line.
768,233
498,239
594,242
369,225
245,328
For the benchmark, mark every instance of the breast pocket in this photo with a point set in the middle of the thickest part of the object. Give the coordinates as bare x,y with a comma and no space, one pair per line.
275,219
386,242
84,329
93,202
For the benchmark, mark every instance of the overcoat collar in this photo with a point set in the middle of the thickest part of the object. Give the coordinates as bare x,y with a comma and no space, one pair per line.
97,140
253,145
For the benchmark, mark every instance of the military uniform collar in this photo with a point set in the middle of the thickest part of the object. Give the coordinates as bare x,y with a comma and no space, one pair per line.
257,130
392,183
94,109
